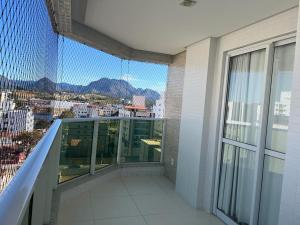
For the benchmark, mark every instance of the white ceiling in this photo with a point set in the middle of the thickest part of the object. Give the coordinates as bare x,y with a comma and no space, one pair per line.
166,27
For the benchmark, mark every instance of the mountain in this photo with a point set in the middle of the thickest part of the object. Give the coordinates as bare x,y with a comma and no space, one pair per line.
109,87
70,87
42,85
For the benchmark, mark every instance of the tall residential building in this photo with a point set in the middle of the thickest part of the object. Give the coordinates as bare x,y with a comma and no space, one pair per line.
159,107
12,119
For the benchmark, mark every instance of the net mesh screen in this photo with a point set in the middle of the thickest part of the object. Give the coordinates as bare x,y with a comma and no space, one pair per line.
44,76
28,70
96,83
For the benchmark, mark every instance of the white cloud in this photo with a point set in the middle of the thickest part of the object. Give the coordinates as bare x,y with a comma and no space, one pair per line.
128,77
159,87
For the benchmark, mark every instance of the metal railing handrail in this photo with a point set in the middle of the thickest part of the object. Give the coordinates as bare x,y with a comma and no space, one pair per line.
99,118
16,197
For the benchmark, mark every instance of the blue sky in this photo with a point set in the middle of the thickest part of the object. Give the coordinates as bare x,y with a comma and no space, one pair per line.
83,64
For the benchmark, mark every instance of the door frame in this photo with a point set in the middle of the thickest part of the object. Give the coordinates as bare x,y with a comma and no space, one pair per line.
260,149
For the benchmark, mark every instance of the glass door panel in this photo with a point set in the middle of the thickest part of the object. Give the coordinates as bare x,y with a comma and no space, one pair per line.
235,185
241,147
277,130
271,191
244,97
280,101
242,123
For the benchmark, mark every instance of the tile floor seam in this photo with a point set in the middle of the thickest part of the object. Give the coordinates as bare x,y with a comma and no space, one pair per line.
92,209
128,186
131,196
116,217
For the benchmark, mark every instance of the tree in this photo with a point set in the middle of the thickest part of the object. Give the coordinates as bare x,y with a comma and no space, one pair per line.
42,124
28,139
67,114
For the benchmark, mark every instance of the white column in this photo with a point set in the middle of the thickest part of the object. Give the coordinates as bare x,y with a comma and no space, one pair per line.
290,198
194,125
94,147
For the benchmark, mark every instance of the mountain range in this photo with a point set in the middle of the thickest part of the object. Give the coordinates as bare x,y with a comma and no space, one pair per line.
108,87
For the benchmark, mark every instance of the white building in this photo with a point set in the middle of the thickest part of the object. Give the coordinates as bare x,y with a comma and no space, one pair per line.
61,106
29,121
6,104
159,107
84,111
14,120
80,110
92,111
124,113
282,107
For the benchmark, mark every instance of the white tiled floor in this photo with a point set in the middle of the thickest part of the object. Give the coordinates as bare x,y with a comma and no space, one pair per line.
136,200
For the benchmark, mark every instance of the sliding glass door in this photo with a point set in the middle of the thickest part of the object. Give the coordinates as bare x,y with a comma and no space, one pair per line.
276,138
253,136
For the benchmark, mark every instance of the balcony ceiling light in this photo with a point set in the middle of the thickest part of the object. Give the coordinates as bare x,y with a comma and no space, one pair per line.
188,3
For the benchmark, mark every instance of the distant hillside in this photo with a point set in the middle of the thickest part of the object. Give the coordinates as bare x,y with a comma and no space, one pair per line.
108,87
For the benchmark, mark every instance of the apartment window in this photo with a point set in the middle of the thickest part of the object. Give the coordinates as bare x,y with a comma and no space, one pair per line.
254,134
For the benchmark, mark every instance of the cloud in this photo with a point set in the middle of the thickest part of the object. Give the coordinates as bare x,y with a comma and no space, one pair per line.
129,77
159,86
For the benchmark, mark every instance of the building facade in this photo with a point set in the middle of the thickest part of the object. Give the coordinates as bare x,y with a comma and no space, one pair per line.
159,107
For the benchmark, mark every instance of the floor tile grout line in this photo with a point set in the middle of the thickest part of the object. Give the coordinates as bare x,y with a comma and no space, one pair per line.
115,217
131,196
92,208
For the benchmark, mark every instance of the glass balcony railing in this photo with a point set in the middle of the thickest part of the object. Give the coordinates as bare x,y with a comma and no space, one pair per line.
91,145
141,140
72,148
76,149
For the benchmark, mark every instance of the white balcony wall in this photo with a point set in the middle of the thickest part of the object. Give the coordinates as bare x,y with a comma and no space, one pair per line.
290,199
194,120
201,104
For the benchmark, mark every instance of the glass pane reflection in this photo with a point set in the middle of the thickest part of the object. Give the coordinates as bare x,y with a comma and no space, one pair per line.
75,155
244,98
271,191
236,183
280,101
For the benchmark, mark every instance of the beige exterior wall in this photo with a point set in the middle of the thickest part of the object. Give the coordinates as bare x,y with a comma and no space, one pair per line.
173,113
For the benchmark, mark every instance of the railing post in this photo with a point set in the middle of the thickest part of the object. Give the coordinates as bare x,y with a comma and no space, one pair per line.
163,140
52,169
120,142
94,147
56,156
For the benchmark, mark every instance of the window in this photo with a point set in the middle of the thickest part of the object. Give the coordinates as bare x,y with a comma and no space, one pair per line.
256,115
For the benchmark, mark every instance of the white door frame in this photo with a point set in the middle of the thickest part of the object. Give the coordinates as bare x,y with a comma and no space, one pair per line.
260,150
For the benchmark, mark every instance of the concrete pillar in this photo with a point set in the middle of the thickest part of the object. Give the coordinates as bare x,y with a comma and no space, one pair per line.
194,127
290,197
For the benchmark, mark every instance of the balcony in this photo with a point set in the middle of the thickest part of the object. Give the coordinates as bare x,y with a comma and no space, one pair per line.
223,76
98,171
